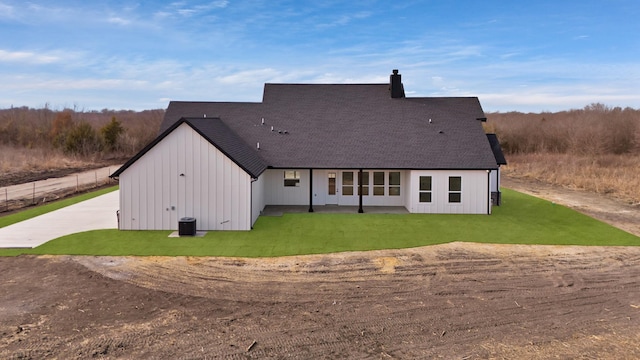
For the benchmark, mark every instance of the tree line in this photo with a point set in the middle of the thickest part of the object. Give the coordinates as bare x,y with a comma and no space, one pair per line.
596,129
106,133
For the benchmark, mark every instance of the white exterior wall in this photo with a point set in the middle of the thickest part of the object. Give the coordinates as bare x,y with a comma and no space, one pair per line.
475,192
275,193
257,198
214,190
495,180
278,194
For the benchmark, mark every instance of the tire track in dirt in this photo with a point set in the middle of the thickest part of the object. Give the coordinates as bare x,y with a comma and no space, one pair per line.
452,301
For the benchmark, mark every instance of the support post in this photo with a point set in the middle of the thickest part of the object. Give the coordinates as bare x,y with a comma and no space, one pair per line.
360,210
310,190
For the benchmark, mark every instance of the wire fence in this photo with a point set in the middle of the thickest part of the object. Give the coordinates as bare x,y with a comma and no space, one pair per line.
39,192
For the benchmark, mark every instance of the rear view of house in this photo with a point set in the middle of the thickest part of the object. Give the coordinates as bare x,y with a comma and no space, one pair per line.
312,145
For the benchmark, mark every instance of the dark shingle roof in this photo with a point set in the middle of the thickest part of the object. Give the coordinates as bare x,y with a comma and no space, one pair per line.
352,126
497,149
219,135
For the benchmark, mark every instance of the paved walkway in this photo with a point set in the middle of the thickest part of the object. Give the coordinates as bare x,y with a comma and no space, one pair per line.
93,214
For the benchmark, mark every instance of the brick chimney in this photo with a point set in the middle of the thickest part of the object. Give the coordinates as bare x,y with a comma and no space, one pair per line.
395,85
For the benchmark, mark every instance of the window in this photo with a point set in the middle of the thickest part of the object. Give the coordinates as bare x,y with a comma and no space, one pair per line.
394,183
425,189
365,183
455,189
332,183
347,183
291,178
378,183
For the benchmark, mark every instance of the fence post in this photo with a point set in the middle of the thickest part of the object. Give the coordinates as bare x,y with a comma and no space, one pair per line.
33,200
77,183
6,198
96,173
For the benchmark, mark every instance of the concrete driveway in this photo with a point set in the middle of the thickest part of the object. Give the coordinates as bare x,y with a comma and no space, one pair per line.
93,214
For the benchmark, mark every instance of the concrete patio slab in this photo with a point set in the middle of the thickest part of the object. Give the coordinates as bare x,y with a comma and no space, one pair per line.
93,214
278,210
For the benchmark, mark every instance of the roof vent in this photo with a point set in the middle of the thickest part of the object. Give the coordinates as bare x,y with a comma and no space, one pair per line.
205,115
262,121
258,146
271,128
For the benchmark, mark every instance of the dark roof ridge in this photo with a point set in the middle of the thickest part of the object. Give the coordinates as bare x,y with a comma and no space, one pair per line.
226,141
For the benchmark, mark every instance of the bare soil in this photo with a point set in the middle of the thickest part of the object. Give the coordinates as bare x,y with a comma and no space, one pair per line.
453,301
8,178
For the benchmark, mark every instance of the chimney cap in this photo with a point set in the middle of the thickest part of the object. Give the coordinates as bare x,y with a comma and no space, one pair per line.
395,71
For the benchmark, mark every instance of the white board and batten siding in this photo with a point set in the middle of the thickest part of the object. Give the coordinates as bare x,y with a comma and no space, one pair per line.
475,196
185,176
495,180
275,193
257,198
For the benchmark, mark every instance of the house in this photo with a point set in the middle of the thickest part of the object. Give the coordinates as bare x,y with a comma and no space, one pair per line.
312,145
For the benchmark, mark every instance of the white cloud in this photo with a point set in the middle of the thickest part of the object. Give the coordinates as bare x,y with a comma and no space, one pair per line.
6,11
184,9
245,77
118,20
27,57
343,20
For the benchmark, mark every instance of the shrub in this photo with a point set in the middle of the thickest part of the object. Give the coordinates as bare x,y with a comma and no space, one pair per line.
111,133
82,140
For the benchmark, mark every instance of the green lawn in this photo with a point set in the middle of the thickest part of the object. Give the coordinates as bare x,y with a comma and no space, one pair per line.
521,219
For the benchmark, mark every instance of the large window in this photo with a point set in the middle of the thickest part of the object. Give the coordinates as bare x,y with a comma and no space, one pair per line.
455,189
291,178
394,183
378,183
364,180
425,189
347,183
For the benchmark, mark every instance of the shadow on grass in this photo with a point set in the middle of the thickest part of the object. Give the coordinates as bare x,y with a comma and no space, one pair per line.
522,219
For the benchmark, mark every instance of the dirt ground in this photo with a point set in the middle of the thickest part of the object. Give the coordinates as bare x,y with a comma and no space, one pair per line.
453,301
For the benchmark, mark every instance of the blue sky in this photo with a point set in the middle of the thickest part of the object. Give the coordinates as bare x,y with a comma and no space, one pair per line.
528,56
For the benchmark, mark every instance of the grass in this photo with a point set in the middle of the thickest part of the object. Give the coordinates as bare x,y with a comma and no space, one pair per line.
522,219
613,175
39,210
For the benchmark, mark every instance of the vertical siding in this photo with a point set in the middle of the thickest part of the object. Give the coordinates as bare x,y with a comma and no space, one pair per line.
495,180
320,187
475,194
213,189
278,194
257,198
